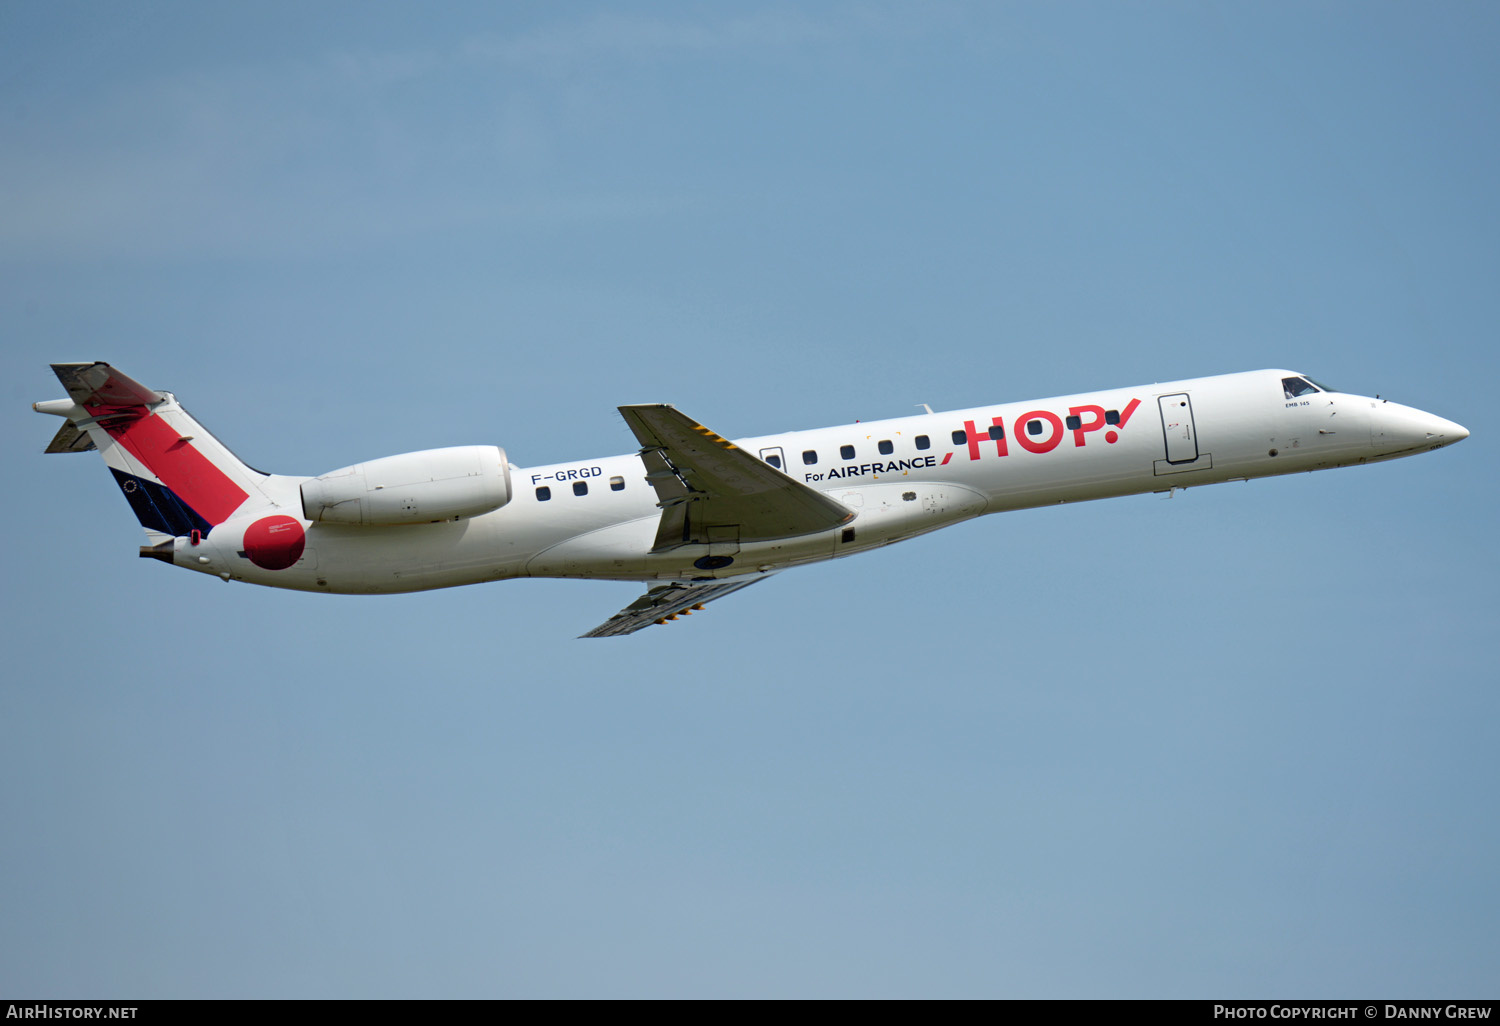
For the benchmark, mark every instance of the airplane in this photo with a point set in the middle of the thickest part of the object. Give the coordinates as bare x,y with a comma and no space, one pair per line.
695,515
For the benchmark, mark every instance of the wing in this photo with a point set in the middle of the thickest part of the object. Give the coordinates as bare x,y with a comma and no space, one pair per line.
668,601
712,491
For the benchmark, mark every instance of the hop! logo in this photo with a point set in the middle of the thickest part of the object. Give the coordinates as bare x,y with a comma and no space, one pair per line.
1051,431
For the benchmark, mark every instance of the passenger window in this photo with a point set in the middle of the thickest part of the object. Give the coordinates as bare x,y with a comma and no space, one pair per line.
543,493
1033,427
960,438
923,442
886,448
580,487
1293,387
617,484
1074,423
997,432
846,451
810,457
1112,418
774,460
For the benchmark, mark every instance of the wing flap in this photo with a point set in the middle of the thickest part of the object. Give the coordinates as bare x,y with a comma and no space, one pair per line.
667,602
711,491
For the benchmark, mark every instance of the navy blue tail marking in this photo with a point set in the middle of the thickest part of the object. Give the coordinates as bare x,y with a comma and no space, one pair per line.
158,508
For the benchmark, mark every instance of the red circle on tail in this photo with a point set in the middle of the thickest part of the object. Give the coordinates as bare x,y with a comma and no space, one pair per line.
275,543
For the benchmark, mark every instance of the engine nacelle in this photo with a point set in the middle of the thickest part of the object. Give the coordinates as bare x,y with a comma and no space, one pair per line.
413,488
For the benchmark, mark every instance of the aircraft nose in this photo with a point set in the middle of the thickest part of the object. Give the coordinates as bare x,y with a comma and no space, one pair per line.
1396,427
1445,431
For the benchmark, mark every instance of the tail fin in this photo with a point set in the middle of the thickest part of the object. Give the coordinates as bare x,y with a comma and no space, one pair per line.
176,476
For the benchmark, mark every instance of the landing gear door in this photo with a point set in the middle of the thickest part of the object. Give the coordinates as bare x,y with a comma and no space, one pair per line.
774,457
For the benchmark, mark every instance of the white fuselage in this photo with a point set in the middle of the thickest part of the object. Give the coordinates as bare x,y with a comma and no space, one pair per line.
598,518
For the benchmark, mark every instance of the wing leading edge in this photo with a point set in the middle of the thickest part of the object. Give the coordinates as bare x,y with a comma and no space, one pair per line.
711,491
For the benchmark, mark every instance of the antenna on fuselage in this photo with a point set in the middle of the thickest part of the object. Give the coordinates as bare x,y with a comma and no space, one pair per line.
925,407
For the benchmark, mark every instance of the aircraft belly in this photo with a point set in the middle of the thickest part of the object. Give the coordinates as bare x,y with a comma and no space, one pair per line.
617,551
1022,481
885,513
891,512
356,560
623,552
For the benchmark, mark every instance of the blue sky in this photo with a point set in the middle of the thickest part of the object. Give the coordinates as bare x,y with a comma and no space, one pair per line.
1238,743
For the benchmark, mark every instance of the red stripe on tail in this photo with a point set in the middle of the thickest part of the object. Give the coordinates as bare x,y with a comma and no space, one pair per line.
174,461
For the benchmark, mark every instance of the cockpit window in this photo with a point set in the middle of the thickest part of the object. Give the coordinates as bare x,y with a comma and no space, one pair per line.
1321,387
1293,387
